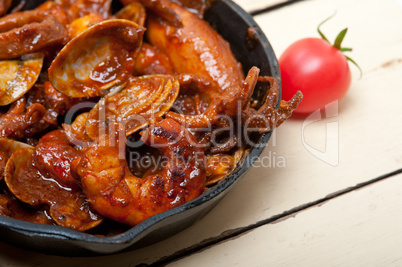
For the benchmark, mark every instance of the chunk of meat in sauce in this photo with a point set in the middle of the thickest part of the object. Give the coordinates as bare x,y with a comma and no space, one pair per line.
57,10
55,103
29,31
53,156
15,122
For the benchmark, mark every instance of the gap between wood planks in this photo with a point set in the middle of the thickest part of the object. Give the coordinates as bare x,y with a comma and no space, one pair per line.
273,7
234,233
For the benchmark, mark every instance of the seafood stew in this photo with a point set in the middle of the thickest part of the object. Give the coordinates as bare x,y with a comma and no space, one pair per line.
148,105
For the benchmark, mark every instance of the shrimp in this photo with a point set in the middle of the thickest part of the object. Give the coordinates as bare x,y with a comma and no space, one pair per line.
116,193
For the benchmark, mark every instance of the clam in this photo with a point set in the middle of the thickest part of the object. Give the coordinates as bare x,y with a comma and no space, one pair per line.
134,11
81,24
7,148
11,207
68,207
144,98
17,76
97,59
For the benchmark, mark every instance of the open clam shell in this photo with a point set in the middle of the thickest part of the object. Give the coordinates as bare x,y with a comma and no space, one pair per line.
68,207
79,25
97,59
7,148
144,98
17,76
134,12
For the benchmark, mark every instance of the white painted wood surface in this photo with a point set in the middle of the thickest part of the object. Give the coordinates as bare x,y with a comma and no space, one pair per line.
362,228
367,140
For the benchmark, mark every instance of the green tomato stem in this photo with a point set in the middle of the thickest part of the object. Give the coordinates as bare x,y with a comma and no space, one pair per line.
338,42
339,39
319,25
354,63
346,49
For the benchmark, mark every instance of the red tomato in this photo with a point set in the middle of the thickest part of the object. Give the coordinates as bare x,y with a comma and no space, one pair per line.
316,68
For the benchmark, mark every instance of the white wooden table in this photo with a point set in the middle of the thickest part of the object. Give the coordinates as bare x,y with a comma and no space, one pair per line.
338,200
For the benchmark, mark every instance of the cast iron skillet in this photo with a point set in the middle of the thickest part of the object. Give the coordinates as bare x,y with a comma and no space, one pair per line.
232,23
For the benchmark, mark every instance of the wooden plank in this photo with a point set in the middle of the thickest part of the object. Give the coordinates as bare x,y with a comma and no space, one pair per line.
361,228
282,31
368,136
